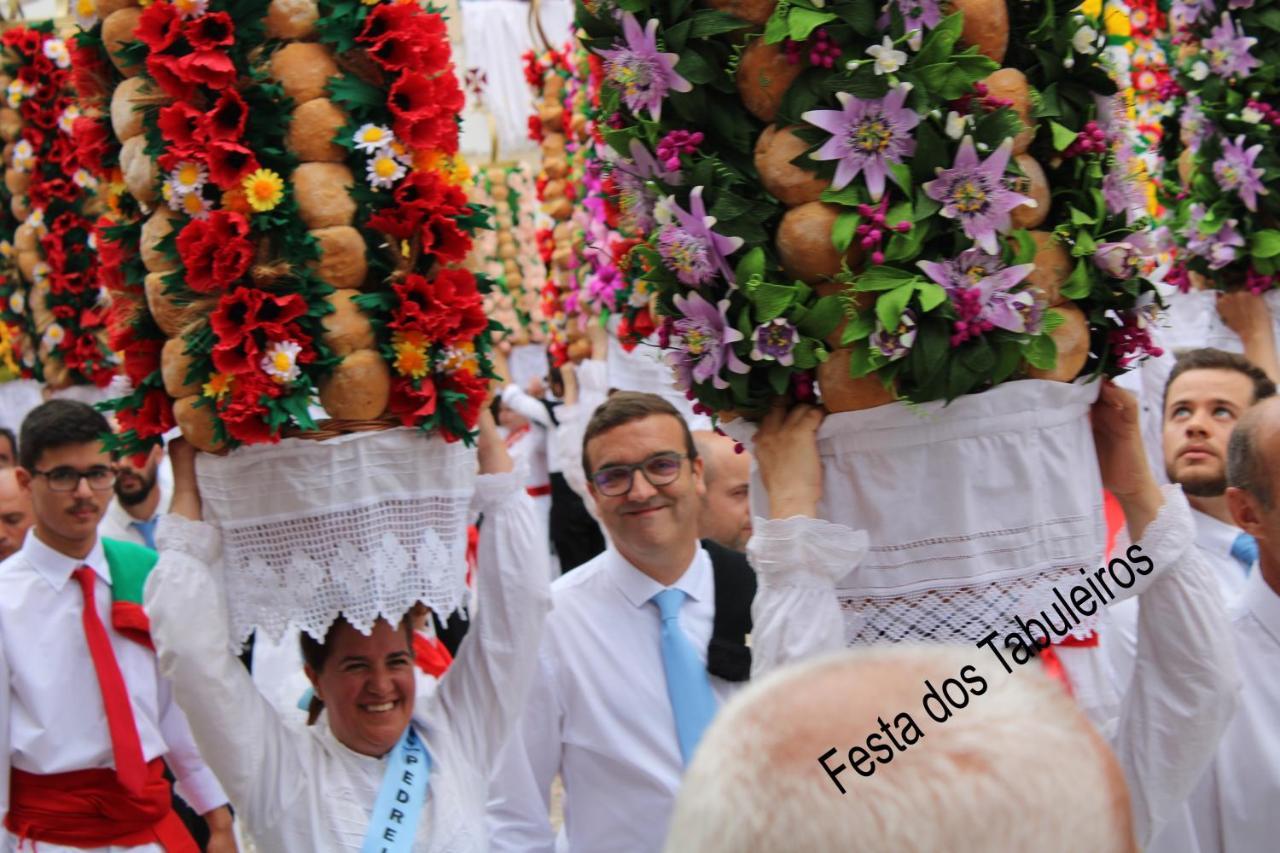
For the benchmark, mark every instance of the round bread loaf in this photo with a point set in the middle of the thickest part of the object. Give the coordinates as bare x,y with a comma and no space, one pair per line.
175,366
312,131
346,328
359,387
788,183
342,256
323,191
303,69
763,77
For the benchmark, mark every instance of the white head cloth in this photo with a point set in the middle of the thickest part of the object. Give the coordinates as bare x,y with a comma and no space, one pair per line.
974,511
364,525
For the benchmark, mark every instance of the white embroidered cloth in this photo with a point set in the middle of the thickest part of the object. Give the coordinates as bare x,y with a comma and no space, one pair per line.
975,510
364,525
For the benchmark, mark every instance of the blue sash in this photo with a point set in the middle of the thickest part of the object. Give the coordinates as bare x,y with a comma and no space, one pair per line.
401,798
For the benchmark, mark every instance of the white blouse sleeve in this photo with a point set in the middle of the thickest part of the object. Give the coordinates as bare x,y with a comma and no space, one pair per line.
795,613
482,693
239,734
1185,683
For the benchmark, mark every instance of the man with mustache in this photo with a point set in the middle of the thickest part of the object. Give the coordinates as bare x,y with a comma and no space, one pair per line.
1207,393
84,765
133,515
642,646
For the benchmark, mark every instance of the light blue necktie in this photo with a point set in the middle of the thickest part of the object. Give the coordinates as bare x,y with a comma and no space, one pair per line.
1245,550
148,531
688,686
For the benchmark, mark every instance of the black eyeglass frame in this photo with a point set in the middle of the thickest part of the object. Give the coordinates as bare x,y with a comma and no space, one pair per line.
87,476
632,467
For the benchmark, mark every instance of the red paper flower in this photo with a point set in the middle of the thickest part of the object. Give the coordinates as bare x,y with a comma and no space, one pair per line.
215,251
158,27
25,40
409,403
93,142
419,196
246,319
210,31
208,67
229,163
90,74
141,359
153,417
227,118
474,391
244,415
444,238
166,70
181,124
448,308
425,110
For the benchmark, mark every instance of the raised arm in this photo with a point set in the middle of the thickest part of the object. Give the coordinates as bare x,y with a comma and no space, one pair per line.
484,690
797,557
1248,316
237,731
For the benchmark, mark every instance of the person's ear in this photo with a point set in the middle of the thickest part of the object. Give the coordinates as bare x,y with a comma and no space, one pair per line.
24,478
699,481
1245,511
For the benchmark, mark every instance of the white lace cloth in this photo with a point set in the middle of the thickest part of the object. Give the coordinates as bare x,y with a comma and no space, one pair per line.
1162,705
364,525
976,509
302,790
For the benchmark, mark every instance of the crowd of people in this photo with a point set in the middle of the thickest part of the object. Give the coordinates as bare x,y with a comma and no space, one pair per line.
645,663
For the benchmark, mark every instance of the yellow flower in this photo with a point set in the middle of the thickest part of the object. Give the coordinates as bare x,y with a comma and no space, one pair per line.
411,354
218,386
452,168
263,190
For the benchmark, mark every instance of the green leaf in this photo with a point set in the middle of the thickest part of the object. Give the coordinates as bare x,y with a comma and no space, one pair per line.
859,327
775,30
805,354
771,300
860,362
823,317
1077,285
1026,249
802,22
1042,352
851,195
842,231
695,68
941,41
779,379
352,92
861,17
1265,243
883,278
708,22
890,305
751,265
1079,217
900,174
931,295
1085,245
1062,136
904,247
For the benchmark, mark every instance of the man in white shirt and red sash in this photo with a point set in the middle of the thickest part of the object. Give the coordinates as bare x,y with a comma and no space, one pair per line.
90,721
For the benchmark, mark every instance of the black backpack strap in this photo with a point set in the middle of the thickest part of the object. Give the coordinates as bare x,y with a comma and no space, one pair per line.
728,655
551,409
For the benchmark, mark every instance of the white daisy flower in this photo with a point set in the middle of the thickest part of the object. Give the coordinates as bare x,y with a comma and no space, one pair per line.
36,219
1251,115
67,120
956,125
188,176
372,137
56,50
194,205
1085,41
86,13
83,179
17,302
1199,71
281,361
40,272
53,336
383,170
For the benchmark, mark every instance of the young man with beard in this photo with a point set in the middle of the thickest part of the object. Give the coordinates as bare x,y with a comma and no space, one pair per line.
133,515
89,721
1207,393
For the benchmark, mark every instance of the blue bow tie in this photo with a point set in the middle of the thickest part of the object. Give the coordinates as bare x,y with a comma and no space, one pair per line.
1245,550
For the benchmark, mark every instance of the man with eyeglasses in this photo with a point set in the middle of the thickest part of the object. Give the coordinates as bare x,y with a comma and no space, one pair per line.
643,645
89,719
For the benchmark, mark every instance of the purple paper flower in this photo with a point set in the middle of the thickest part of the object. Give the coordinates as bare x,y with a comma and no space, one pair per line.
706,340
774,341
1193,124
916,14
1120,260
980,288
1228,49
976,194
636,196
687,244
1185,14
1220,247
1236,171
894,343
640,71
1122,188
866,136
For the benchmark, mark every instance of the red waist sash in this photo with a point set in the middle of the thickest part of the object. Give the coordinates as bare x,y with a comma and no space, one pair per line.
90,808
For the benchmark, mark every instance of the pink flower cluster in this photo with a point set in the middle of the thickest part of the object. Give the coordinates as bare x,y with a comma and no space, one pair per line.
873,228
1091,140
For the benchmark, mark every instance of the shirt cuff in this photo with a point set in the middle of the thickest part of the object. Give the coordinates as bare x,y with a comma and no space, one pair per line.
493,490
201,790
195,538
1164,542
804,552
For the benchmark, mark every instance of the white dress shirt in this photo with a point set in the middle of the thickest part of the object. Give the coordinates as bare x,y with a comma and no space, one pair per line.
1214,539
599,715
118,524
299,789
535,412
51,705
1163,719
1235,806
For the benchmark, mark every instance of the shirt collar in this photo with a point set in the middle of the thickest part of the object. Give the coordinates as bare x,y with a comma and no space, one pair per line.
1213,535
56,567
638,588
1263,602
121,516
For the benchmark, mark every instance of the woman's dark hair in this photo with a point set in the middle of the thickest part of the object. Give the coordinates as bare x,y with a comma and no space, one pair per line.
316,654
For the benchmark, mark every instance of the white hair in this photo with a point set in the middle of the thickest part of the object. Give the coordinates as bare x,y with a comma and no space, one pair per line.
1018,768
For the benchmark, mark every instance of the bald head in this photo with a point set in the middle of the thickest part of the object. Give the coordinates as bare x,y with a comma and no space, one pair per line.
1016,768
15,513
725,515
1253,470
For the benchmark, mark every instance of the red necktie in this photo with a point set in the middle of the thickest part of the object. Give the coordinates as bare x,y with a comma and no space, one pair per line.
126,747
